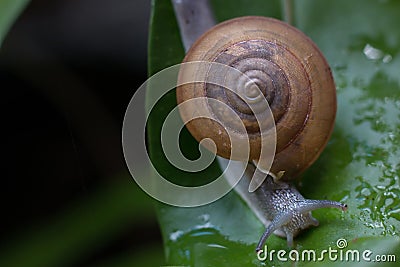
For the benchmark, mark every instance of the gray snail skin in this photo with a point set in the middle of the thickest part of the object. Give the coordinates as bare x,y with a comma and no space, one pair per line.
295,79
288,210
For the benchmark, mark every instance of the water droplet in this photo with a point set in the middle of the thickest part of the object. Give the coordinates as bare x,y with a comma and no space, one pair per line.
205,217
365,192
374,53
389,201
387,58
380,204
175,235
216,246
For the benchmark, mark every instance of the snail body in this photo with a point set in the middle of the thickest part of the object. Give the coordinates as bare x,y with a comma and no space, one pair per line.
288,210
286,76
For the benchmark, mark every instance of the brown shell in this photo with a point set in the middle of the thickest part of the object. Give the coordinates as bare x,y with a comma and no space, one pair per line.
296,80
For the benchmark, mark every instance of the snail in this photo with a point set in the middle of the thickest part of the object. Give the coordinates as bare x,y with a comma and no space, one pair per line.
286,70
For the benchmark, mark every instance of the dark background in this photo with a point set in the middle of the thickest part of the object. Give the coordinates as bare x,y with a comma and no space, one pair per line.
68,69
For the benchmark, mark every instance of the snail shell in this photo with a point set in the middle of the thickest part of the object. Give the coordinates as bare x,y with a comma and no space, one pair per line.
291,74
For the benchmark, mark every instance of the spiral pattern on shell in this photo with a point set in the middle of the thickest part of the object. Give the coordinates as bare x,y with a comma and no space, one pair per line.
285,68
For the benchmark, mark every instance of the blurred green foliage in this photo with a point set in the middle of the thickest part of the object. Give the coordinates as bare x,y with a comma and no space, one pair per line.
90,222
84,227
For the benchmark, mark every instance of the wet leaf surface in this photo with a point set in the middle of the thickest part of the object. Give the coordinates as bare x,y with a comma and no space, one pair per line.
360,166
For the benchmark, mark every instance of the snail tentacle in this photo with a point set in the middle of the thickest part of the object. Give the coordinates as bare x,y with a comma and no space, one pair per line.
308,205
275,224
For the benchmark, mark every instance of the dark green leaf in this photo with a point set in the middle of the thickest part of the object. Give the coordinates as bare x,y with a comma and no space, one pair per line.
9,10
361,164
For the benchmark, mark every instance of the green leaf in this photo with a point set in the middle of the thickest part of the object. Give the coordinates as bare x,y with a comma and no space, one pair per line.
361,164
9,10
